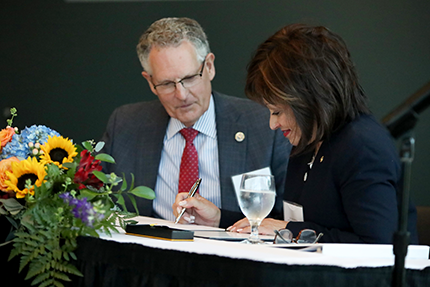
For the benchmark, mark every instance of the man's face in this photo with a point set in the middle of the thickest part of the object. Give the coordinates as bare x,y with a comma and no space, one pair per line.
171,64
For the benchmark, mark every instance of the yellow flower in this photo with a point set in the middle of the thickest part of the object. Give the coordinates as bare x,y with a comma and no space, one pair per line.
58,150
29,169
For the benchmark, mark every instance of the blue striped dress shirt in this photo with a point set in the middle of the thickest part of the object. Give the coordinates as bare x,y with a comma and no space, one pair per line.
206,144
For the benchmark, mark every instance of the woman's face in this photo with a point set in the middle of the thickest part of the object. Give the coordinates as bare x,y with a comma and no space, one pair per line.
282,117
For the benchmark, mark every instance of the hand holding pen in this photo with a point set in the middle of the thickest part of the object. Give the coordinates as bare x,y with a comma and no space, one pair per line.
191,193
204,212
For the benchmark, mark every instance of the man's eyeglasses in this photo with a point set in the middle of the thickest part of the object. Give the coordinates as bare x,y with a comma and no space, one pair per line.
308,236
187,82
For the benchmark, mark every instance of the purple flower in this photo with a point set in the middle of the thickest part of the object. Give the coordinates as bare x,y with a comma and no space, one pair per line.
82,209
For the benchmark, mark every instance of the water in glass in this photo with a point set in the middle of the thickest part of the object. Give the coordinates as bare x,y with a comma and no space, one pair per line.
256,200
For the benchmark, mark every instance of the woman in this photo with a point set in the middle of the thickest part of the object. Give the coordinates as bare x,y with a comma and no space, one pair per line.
344,169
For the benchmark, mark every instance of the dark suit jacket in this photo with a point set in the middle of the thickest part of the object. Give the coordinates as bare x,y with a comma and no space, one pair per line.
135,133
350,195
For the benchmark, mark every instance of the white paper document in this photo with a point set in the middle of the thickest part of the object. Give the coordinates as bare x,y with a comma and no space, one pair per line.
293,211
237,178
230,236
171,224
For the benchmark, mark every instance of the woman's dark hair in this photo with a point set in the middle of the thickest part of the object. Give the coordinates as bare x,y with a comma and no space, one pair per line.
309,69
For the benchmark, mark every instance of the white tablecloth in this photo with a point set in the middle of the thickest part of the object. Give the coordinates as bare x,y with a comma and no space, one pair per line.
342,255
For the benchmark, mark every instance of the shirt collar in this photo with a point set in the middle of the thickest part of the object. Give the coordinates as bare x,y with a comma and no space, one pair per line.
205,124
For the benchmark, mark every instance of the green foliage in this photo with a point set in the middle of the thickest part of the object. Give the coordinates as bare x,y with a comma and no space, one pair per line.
13,113
11,206
143,191
105,157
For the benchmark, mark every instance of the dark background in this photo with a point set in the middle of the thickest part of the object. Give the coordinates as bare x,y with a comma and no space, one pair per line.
67,65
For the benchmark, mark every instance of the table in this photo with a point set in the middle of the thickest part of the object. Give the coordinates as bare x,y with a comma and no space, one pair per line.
125,260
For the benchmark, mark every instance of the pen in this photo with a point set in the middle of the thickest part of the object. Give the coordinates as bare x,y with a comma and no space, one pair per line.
190,194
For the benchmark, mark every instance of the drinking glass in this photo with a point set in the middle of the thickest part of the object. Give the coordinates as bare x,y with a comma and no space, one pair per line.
256,199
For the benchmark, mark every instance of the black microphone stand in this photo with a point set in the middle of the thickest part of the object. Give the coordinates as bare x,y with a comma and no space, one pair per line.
399,122
401,237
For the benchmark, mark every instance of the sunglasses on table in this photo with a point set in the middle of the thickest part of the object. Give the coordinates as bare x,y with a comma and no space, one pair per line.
307,236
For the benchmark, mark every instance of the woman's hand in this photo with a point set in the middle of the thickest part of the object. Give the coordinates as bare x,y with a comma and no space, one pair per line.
199,210
267,226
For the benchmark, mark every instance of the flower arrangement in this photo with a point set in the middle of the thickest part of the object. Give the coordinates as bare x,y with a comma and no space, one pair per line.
53,191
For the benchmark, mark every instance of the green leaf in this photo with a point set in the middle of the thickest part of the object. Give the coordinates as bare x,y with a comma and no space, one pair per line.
88,193
69,165
132,181
69,268
61,276
13,222
53,170
12,254
40,278
31,243
75,245
57,254
47,283
87,145
99,146
21,234
92,233
105,157
102,176
34,270
120,201
42,249
66,256
72,254
23,262
12,205
3,211
133,201
144,192
124,184
37,237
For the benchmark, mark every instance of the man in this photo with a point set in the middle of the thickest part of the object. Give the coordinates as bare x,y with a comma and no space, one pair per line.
233,135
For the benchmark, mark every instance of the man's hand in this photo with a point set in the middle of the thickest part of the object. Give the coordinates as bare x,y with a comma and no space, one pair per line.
199,210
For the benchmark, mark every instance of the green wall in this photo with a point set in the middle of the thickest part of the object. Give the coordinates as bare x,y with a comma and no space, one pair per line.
68,65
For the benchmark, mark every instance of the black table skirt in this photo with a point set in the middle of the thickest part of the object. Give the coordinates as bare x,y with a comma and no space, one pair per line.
107,263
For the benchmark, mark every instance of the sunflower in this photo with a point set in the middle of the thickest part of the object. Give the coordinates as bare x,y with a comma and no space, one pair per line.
29,169
58,150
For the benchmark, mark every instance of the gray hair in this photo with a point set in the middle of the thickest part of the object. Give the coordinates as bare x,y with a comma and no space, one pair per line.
171,32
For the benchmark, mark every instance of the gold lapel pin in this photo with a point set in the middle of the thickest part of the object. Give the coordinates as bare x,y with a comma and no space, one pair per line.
239,136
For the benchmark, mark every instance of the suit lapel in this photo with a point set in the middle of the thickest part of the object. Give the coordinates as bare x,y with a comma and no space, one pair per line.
229,149
150,136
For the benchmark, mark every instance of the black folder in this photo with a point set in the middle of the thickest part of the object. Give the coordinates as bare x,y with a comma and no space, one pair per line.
159,232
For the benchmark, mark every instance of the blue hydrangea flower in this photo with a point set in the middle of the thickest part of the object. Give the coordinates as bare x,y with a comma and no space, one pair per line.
18,146
82,209
37,134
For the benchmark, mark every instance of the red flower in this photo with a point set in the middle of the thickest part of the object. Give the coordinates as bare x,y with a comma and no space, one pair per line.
5,195
84,175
